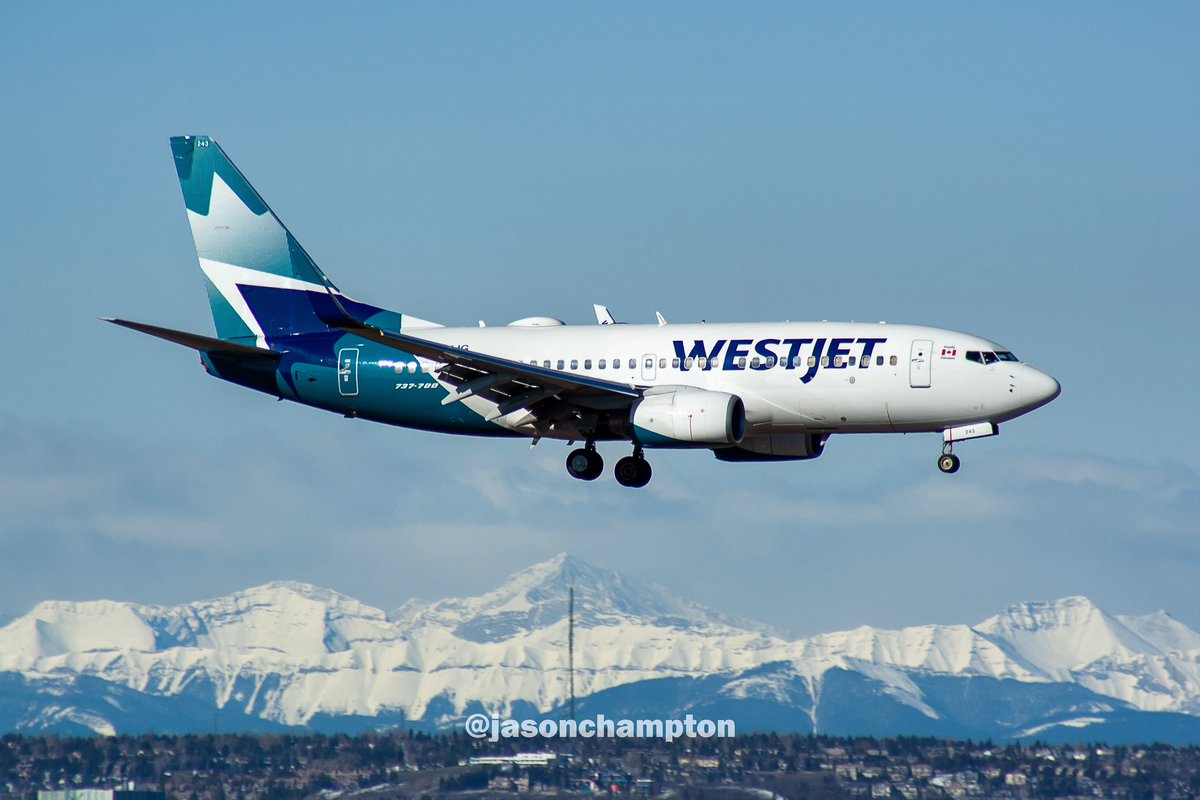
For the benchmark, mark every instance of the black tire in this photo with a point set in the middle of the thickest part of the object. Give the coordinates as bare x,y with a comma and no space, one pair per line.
595,466
644,473
628,471
586,465
949,463
633,472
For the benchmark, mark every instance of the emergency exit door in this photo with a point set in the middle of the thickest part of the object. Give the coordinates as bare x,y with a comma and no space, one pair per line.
648,370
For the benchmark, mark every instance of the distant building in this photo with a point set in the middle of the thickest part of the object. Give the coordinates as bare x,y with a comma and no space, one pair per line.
518,760
102,794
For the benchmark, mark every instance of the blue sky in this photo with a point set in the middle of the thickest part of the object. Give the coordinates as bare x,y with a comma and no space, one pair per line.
1025,172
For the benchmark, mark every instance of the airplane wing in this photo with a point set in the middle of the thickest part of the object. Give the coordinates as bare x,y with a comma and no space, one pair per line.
546,395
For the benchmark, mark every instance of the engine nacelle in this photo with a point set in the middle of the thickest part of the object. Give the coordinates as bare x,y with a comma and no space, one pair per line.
775,447
687,417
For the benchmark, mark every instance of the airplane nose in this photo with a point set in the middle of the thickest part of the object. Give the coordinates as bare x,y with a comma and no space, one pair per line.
1038,388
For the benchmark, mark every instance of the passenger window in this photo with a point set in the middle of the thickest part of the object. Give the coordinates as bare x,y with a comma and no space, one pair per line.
741,362
893,361
812,361
574,363
837,361
852,361
546,364
603,363
662,363
825,361
879,361
587,363
649,363
702,362
770,362
689,363
754,362
633,363
675,363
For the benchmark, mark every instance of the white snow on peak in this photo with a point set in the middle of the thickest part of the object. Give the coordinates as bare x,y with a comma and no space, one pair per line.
1062,636
60,627
1163,631
287,651
537,597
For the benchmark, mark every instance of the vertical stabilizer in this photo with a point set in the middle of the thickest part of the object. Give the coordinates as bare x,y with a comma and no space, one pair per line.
260,281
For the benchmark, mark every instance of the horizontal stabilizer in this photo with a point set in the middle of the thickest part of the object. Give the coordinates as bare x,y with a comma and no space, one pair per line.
193,340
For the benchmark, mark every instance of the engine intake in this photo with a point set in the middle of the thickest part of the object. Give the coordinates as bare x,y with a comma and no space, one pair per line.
686,417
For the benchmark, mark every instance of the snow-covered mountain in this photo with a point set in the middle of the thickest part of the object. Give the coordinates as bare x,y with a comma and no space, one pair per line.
293,655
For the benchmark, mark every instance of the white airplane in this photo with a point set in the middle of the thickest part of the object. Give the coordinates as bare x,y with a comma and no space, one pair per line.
761,391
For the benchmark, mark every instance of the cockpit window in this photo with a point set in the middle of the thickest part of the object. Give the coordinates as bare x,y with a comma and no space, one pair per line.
985,357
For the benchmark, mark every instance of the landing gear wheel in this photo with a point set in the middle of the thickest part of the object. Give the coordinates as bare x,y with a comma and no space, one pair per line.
948,463
633,471
585,464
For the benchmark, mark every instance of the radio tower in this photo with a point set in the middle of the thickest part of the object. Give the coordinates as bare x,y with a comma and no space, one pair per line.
571,645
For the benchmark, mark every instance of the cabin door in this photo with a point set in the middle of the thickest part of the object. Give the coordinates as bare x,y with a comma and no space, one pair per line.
918,364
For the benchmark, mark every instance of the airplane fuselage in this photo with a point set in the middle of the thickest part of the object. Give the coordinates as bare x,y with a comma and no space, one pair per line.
793,377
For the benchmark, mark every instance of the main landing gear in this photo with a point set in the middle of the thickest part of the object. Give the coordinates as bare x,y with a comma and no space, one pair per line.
947,461
633,471
586,465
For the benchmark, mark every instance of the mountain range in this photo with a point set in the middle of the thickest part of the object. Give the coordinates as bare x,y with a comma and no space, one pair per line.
291,656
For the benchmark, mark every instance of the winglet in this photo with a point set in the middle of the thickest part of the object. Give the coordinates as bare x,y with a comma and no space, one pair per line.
661,319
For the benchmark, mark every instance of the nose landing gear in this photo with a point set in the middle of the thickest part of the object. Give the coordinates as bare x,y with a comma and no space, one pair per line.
947,461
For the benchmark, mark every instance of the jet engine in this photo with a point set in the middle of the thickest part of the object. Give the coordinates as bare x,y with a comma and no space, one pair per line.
686,417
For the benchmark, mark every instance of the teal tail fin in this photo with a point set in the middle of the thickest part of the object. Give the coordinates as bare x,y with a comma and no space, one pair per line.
249,259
